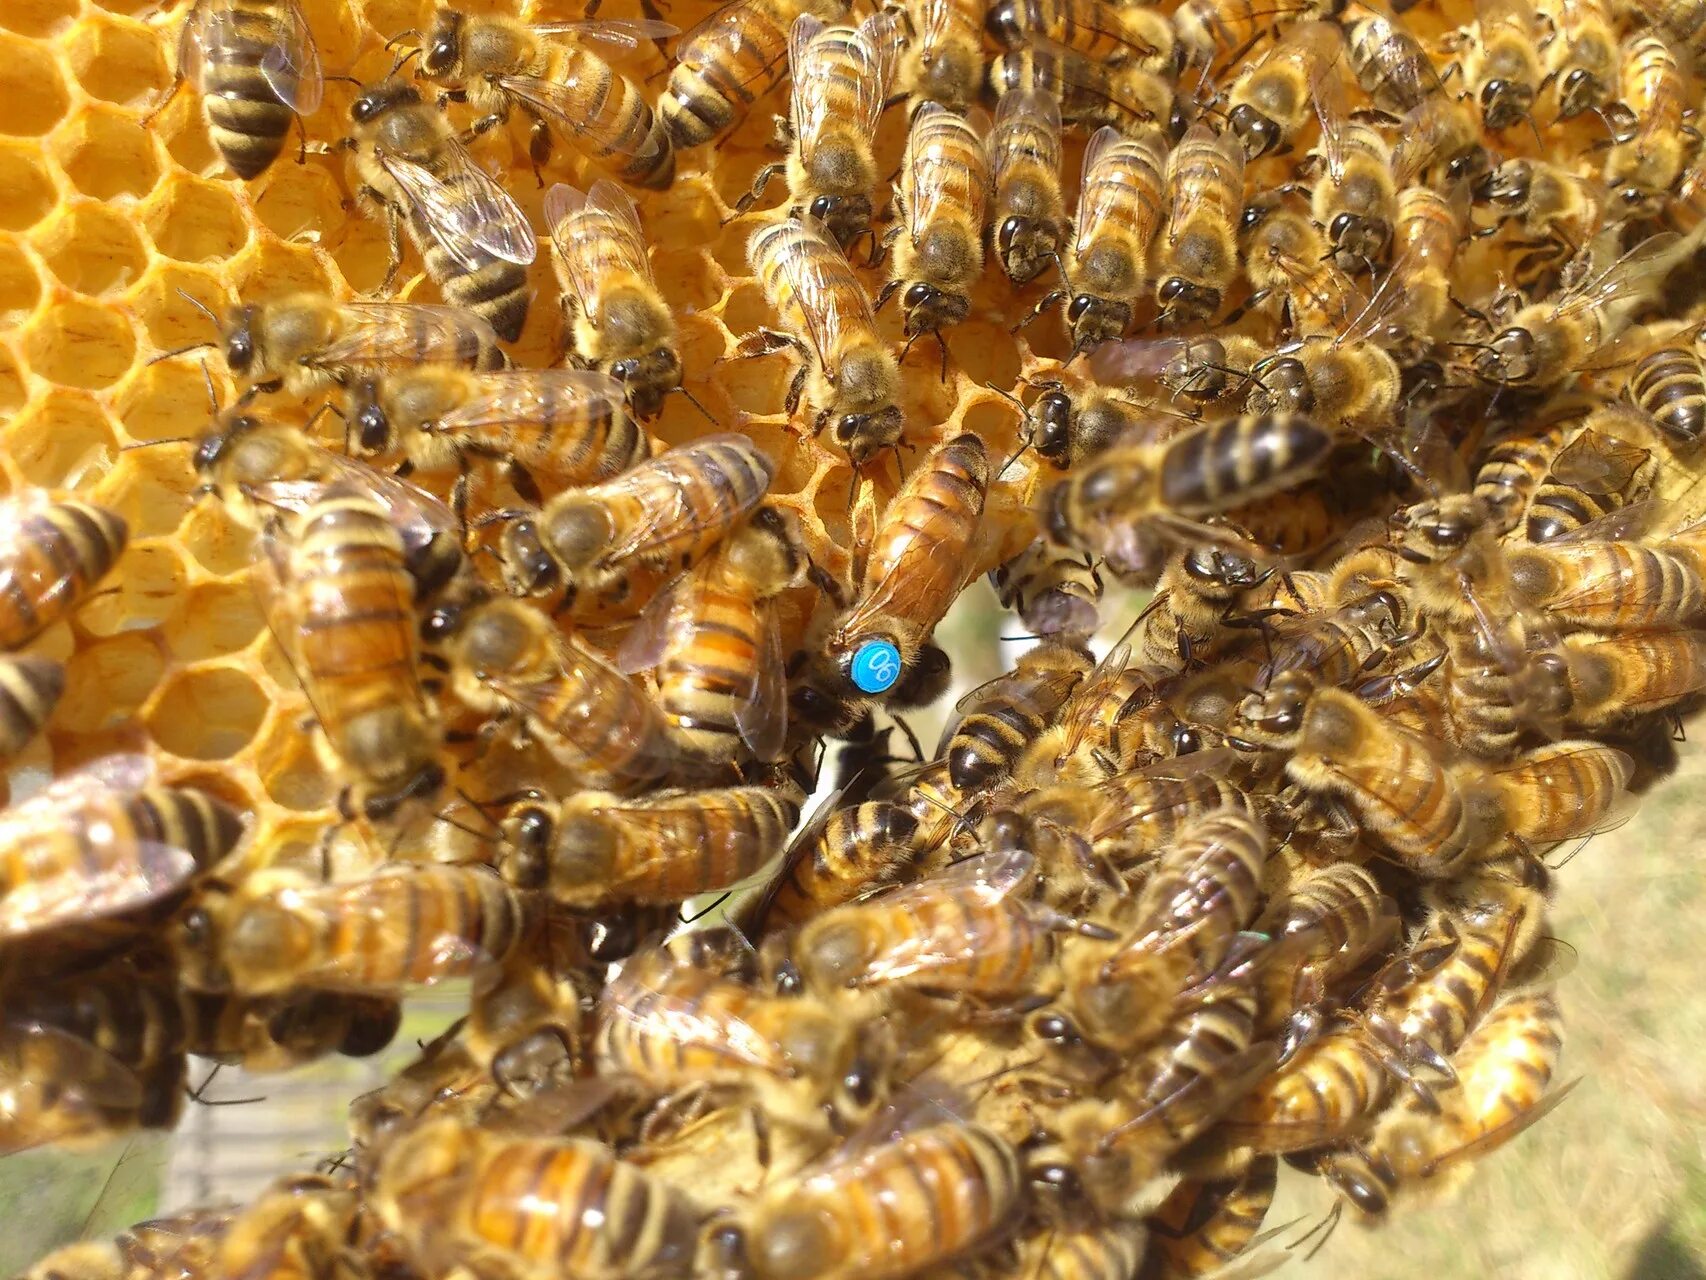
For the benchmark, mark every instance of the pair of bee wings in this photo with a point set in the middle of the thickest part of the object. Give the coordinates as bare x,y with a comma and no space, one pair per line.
827,295
465,210
561,99
821,67
595,233
377,336
1185,198
686,1020
675,828
1027,124
366,908
290,66
1123,177
1046,690
670,619
1123,812
516,404
97,879
1640,269
1551,776
936,176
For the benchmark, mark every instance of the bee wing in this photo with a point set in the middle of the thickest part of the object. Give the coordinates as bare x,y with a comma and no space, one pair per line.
466,209
606,697
386,333
624,33
819,300
763,718
654,632
665,521
946,182
1093,212
516,397
725,30
1639,269
562,101
291,64
1029,112
1599,463
675,829
805,105
37,1052
935,529
817,98
1387,297
1320,55
1499,1134
723,1033
1078,716
591,230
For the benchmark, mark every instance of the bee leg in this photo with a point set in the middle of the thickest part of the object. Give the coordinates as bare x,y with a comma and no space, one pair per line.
522,481
885,293
1043,304
763,342
759,184
157,108
796,390
539,143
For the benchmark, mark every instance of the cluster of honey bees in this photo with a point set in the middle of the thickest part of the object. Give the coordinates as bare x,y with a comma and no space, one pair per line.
1368,340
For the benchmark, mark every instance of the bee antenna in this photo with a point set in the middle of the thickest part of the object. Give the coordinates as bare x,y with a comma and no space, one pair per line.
694,401
200,306
1010,461
1008,396
182,351
212,391
150,444
402,62
409,31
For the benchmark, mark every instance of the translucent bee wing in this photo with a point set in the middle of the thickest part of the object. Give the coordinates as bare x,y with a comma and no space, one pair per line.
155,871
669,521
465,209
804,99
625,33
763,718
378,334
819,75
725,30
515,397
680,830
291,64
820,286
594,232
1026,122
936,176
588,692
655,632
1327,92
1598,462
563,102
1642,268
1228,1080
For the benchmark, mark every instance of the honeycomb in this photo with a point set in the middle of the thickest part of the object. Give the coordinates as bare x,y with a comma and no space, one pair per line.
121,228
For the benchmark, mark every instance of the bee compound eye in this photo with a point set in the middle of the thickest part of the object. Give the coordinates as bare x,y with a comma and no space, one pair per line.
875,667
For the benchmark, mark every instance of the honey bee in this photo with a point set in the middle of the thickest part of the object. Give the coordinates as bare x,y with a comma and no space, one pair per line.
664,515
306,342
1120,208
1338,644
594,847
673,1027
508,660
1332,920
282,1032
291,1229
340,600
1427,228
1002,718
1390,63
732,58
939,1192
455,1194
1580,56
943,60
847,373
913,568
52,555
1130,98
1516,464
1199,589
104,841
1503,1074
1053,588
257,69
498,65
1648,152
1607,679
1608,585
1668,384
1346,379
30,688
941,199
1198,250
1604,468
1553,207
1429,816
410,924
1142,812
1276,96
713,639
1288,260
620,323
1563,790
1328,1092
1115,506
1546,340
841,78
1105,34
965,931
1502,63
1029,218
1093,1252
1201,1228
1356,199
842,854
1208,29
474,240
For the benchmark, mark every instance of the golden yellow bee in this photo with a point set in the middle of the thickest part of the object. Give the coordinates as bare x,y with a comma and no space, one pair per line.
1029,212
1648,147
1501,65
1121,206
1389,62
1197,253
1609,585
942,59
474,240
1607,679
1132,98
1580,56
1276,96
842,854
942,199
1355,199
52,555
1109,35
30,688
1668,384
1002,718
1556,210
1203,1228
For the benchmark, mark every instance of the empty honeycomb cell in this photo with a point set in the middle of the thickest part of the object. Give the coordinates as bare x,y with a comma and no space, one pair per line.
299,200
106,153
984,352
194,220
29,190
152,490
269,269
216,618
217,543
91,248
79,344
61,439
31,88
170,318
166,401
142,592
746,310
106,683
12,393
116,60
183,131
691,282
20,287
37,17
289,766
990,419
208,713
362,253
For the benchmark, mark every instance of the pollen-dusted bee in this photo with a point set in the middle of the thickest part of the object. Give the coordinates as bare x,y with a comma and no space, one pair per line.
899,1208
455,1193
105,841
1121,206
1029,219
499,64
847,375
340,599
802,1061
942,58
1053,588
840,79
594,847
912,569
472,237
941,200
1276,96
1197,253
408,924
1356,198
256,66
619,321
305,342
1501,65
30,688
52,555
665,514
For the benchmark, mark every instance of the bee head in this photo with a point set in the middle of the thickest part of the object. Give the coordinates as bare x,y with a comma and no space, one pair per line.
529,832
1577,92
864,435
372,424
648,378
1027,246
1096,320
240,339
846,217
1183,300
444,44
1051,426
376,101
1507,185
1509,358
